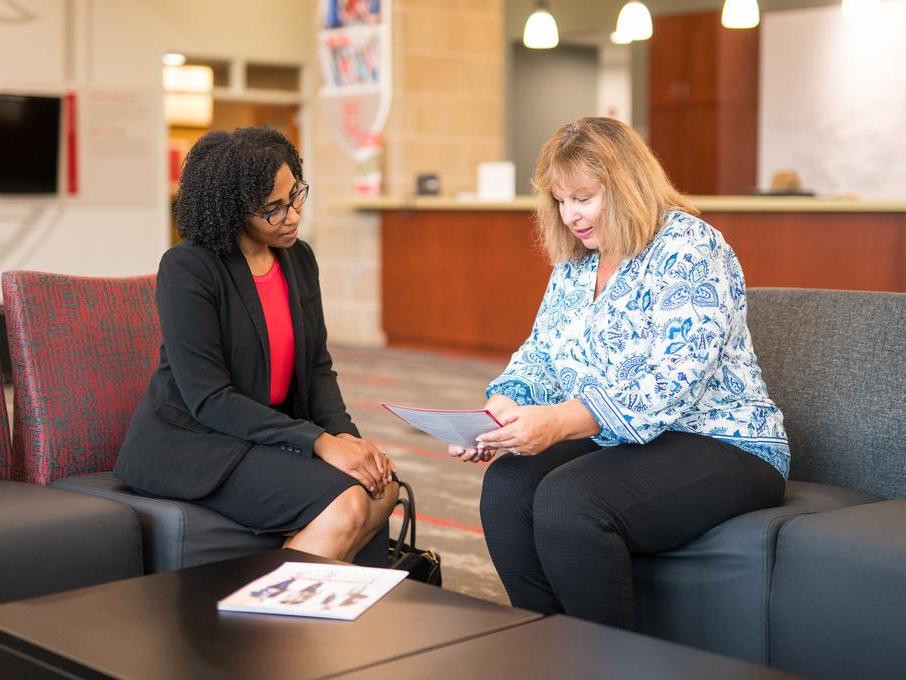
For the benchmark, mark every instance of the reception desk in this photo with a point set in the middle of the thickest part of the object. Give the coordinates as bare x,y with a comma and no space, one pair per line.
468,276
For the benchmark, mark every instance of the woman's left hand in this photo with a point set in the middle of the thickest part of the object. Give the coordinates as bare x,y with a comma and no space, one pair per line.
526,431
385,465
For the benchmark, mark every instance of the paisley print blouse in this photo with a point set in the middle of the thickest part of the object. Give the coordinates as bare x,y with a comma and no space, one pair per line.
665,346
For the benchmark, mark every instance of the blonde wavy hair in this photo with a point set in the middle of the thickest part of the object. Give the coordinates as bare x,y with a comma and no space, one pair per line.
637,191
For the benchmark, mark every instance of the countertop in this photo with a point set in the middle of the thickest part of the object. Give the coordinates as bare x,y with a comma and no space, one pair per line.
703,203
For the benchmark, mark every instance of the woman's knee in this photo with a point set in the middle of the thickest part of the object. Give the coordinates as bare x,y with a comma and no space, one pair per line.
562,512
506,488
382,508
349,512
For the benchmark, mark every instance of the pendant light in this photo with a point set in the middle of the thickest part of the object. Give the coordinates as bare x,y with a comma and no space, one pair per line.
540,32
740,14
633,23
859,8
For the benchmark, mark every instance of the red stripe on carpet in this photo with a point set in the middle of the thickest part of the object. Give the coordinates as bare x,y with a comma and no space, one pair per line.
373,405
370,378
444,522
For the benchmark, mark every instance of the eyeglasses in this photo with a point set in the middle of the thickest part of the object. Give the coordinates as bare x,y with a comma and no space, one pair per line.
277,216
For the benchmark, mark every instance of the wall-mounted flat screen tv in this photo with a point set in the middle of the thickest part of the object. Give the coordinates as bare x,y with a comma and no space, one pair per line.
29,144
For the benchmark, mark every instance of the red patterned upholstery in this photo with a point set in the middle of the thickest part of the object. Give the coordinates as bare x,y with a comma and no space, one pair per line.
6,449
82,350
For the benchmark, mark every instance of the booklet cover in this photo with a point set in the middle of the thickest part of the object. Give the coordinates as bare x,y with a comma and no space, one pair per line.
330,591
456,427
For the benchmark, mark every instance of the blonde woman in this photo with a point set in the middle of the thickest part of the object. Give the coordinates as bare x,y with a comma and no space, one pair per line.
635,417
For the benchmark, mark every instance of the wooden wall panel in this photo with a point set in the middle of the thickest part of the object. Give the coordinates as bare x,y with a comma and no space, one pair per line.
471,281
842,251
460,280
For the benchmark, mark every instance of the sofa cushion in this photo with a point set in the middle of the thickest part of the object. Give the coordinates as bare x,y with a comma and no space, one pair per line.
834,363
713,593
53,540
176,534
840,576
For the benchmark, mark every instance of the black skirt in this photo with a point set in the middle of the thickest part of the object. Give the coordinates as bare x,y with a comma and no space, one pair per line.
272,490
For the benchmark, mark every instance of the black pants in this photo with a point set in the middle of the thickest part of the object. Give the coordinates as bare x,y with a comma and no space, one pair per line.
561,526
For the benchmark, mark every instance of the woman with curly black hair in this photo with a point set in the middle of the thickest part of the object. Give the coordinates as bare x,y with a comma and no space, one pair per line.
244,415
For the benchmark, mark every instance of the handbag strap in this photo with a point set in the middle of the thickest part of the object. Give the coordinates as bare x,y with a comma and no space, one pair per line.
408,523
409,511
404,527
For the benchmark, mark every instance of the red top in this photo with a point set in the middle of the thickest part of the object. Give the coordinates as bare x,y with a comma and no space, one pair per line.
274,295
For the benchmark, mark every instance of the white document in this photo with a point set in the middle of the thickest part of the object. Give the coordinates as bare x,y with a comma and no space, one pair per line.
329,591
459,428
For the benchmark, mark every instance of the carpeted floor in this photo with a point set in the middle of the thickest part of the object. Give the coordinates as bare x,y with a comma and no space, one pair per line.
446,490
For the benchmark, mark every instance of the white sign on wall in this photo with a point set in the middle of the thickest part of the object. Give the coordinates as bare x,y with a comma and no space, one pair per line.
23,26
118,158
833,100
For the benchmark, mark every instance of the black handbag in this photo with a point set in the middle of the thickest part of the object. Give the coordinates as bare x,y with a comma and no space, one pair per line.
422,565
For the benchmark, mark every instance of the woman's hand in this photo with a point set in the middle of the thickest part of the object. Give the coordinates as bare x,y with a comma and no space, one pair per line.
526,431
358,458
497,405
471,454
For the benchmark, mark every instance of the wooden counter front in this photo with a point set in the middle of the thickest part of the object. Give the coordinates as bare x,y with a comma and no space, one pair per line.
460,280
471,280
841,251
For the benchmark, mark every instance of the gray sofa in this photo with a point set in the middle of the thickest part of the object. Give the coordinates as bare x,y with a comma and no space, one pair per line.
53,540
816,586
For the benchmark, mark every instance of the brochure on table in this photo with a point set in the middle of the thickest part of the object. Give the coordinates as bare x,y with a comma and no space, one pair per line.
331,591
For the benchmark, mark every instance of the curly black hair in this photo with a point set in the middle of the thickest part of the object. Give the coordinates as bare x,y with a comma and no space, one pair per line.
226,177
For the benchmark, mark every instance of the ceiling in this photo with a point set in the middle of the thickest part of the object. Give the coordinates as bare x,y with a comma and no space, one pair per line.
588,22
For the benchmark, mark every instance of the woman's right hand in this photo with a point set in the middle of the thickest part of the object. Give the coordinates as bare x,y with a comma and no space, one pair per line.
358,458
497,404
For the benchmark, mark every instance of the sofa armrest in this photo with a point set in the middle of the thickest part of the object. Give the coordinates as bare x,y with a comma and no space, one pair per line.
839,593
54,540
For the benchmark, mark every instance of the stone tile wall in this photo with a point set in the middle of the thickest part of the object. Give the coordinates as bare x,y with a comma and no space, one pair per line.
446,117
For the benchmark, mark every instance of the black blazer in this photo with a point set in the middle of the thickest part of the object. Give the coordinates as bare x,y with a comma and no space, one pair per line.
208,400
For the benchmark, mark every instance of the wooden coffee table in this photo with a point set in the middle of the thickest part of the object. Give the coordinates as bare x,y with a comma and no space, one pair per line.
166,626
560,647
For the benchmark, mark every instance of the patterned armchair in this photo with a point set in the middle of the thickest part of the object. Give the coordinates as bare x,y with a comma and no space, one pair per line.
82,350
78,346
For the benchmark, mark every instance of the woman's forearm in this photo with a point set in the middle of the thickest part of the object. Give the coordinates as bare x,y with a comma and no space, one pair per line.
575,420
498,403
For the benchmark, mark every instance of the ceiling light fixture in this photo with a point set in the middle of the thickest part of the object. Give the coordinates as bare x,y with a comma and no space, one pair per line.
633,23
740,14
540,32
859,8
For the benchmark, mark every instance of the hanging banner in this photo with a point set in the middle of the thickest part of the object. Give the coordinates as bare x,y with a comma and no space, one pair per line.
356,66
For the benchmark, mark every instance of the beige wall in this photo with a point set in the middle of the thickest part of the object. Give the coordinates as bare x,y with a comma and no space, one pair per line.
446,117
103,50
448,97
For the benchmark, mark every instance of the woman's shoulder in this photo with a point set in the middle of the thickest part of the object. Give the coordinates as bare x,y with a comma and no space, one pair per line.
302,257
185,251
682,231
188,258
301,250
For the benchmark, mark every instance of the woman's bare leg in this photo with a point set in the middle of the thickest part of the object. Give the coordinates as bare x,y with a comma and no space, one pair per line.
379,511
345,525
